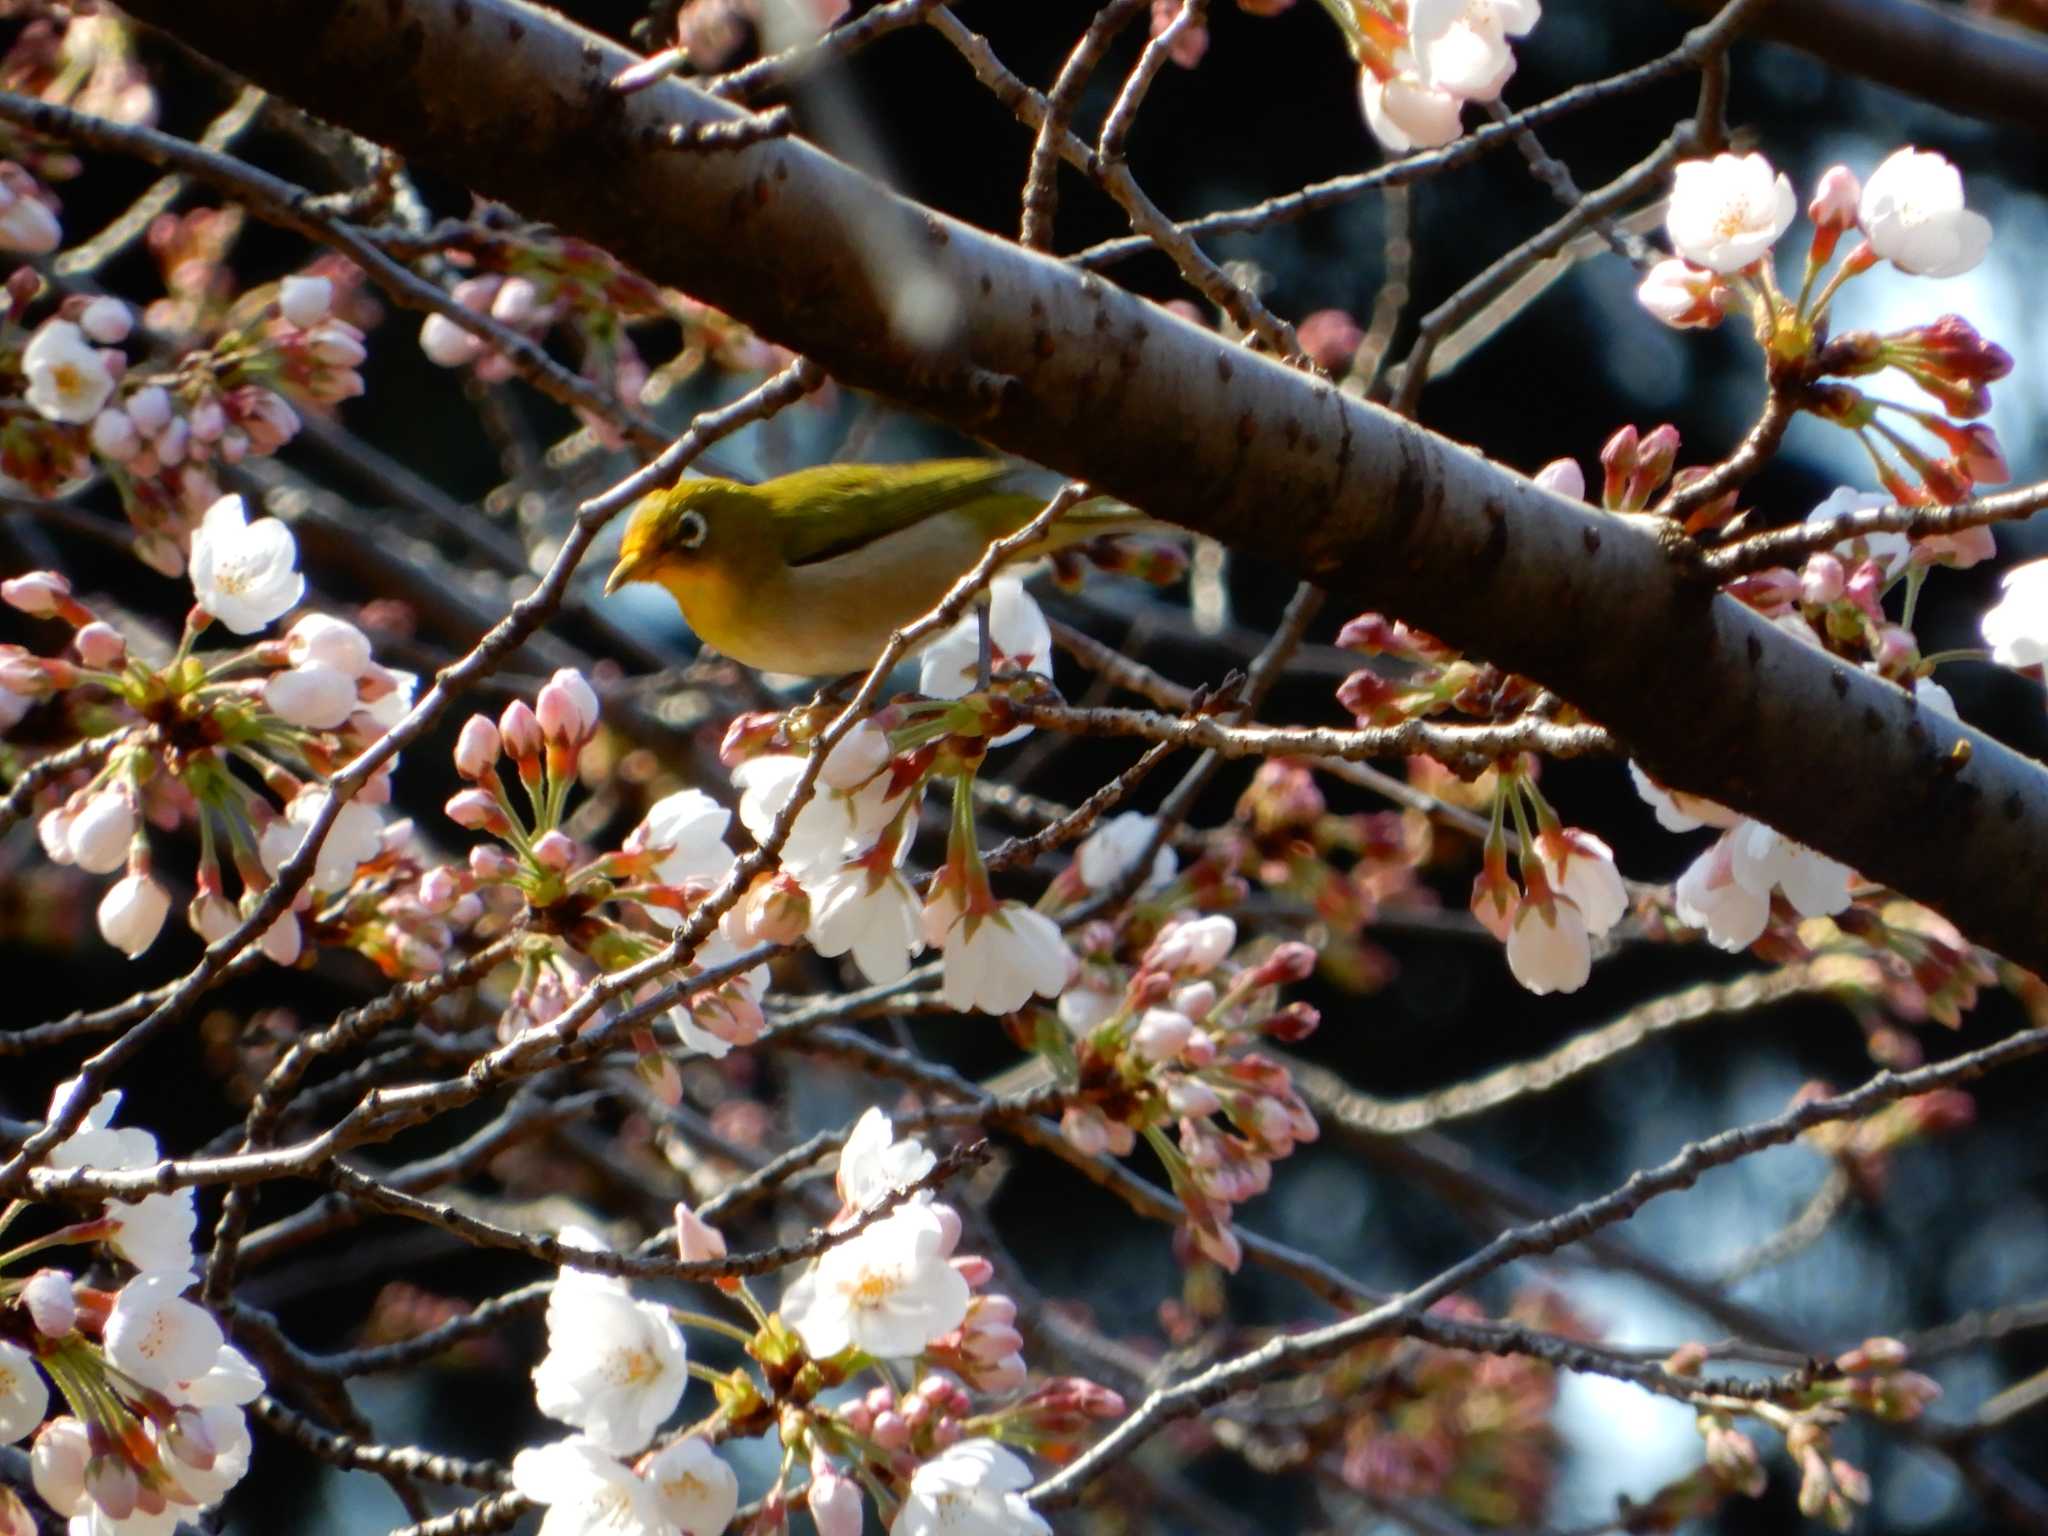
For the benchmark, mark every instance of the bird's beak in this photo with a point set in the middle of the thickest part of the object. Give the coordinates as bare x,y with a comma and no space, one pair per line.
625,572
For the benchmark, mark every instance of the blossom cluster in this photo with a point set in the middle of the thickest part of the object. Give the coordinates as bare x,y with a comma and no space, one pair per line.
154,1430
1421,61
891,1288
192,731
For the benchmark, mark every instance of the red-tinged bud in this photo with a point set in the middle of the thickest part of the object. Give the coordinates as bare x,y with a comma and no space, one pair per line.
1841,404
1371,699
1836,199
1331,338
1977,450
476,748
775,910
1897,650
748,736
1291,961
1851,354
1292,1024
1880,1354
1618,459
441,887
1655,456
1684,296
476,810
1495,896
567,709
891,1432
520,733
1281,798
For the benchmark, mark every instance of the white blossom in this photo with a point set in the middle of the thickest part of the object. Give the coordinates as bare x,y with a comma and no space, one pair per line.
97,837
874,1163
1019,640
1462,44
996,962
832,824
875,919
356,837
1405,112
698,1493
245,574
225,1432
156,1336
1548,949
312,697
1710,898
304,300
323,640
56,1465
24,1395
1912,211
888,1291
132,913
1682,295
615,1367
106,320
1761,859
690,827
1728,212
67,378
1107,854
2016,626
388,708
1677,811
587,1491
1582,867
973,1488
155,1232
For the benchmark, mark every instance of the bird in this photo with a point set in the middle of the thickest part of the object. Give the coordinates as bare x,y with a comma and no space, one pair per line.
810,573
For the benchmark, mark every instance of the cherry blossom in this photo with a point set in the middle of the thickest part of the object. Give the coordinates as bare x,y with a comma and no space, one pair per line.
1107,854
587,1491
1548,948
26,223
873,915
832,824
1912,211
973,1488
67,378
97,837
305,301
1726,891
244,574
1405,112
1019,639
1726,213
1677,811
312,697
2016,626
158,1338
888,1291
356,837
155,1232
688,829
320,639
50,1302
997,961
132,913
695,1489
615,1367
874,1163
1682,295
1463,43
24,1395
834,1501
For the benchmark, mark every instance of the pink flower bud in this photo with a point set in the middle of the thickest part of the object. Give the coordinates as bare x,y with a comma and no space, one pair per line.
1291,961
516,301
519,730
441,887
38,593
132,913
476,810
340,345
555,849
1835,199
447,344
106,320
150,409
696,1239
567,708
974,1269
1162,1034
891,1431
476,748
207,420
114,435
1823,579
304,301
834,1503
488,862
1564,477
171,444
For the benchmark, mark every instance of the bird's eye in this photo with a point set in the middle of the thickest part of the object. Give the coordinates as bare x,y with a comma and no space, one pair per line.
691,529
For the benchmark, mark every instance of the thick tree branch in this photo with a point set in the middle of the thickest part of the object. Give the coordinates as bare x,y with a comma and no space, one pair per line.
1063,368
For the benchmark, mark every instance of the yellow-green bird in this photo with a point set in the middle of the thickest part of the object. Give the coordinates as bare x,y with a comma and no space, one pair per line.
810,572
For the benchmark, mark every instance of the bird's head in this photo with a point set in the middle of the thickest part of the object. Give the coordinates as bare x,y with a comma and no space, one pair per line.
684,529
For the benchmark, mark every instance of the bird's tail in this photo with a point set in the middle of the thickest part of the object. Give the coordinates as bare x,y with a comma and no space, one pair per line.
1097,518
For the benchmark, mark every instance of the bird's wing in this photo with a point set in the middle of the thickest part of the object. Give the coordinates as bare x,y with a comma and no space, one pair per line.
836,509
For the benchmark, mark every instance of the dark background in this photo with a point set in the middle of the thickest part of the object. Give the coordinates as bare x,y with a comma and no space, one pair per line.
1273,107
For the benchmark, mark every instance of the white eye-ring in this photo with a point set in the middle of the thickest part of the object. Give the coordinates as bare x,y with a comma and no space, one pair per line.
691,529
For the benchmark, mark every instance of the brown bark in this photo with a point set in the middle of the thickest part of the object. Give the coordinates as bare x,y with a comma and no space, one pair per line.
1063,368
